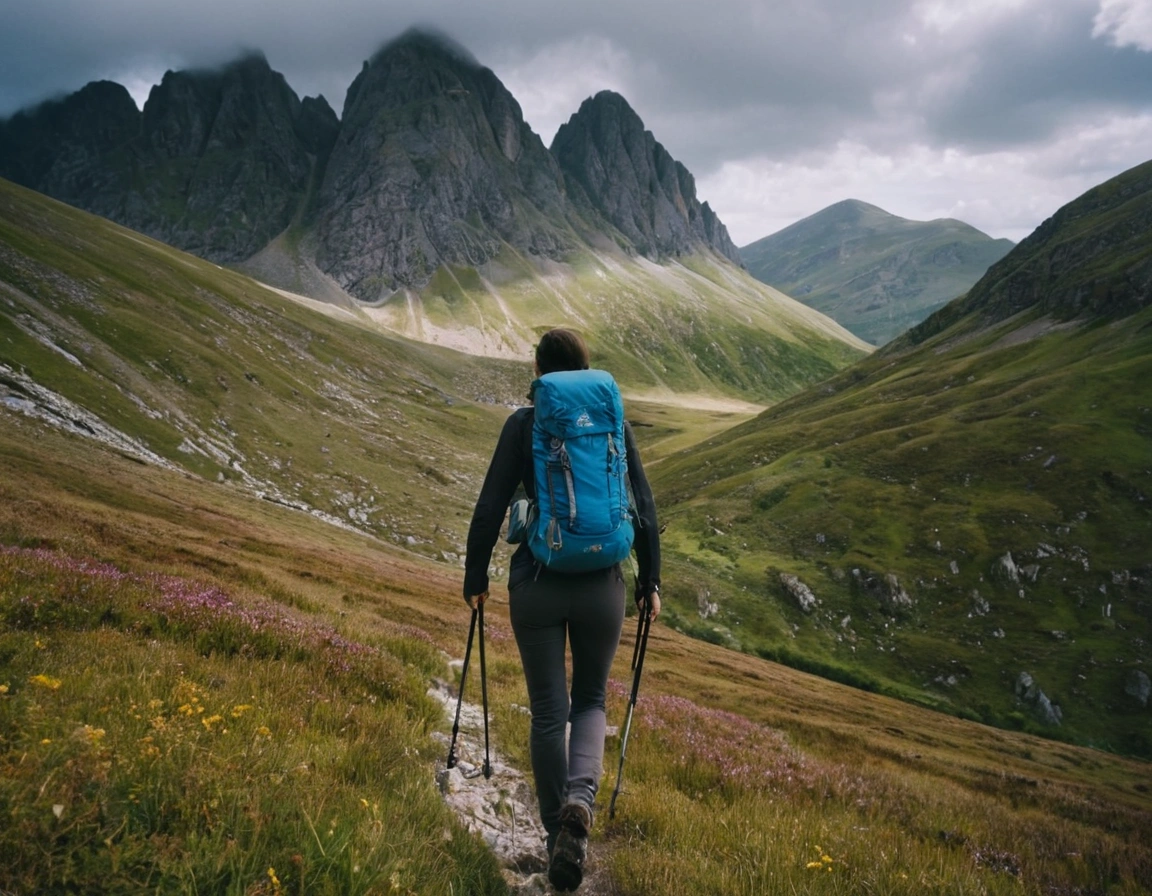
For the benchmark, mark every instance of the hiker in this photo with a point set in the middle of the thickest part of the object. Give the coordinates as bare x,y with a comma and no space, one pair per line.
546,606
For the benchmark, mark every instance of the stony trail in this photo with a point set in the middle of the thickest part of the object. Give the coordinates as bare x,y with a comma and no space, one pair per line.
502,810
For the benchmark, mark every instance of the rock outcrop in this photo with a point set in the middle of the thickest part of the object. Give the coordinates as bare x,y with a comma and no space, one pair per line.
611,162
1138,686
217,163
434,165
1028,691
799,592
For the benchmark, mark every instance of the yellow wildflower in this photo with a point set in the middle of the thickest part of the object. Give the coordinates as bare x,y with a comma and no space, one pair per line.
274,879
186,709
92,735
240,708
45,681
814,865
4,688
45,741
209,721
264,731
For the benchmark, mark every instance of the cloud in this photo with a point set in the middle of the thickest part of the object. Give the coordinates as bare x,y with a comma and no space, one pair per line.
1126,23
822,94
1005,193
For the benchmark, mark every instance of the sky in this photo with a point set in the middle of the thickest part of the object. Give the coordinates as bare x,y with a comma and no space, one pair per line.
996,112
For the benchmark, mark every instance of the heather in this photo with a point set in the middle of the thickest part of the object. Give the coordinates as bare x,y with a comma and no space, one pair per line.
161,734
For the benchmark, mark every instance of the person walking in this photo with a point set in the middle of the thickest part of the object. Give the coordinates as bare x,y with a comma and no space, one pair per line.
548,608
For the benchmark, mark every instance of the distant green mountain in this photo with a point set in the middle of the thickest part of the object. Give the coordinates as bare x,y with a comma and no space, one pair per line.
965,518
871,271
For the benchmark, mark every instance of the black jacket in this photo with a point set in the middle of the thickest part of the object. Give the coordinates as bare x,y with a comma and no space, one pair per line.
511,467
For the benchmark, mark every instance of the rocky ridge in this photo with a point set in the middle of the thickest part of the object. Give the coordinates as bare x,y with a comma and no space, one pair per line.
431,167
612,163
216,163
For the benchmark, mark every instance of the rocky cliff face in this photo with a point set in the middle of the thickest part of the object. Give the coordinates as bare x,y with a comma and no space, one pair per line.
217,162
611,161
431,165
75,149
434,165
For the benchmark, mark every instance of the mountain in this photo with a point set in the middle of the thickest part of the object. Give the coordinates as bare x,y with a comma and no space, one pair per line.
432,208
229,578
962,519
434,165
871,271
608,157
217,163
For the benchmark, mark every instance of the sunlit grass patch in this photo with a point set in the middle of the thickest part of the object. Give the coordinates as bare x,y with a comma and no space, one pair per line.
714,802
157,733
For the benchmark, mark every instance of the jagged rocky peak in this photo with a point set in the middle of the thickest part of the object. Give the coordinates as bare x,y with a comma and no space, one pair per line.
434,165
609,158
48,146
190,112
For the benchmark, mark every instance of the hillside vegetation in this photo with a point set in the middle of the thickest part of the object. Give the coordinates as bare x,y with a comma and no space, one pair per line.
203,692
964,519
873,272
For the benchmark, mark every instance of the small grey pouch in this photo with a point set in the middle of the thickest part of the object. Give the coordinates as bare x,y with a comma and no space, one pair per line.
520,514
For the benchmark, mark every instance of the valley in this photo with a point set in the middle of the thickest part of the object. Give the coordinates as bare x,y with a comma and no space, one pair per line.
908,591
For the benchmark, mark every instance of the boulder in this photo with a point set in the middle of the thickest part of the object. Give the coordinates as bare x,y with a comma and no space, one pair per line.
800,592
1030,693
1138,686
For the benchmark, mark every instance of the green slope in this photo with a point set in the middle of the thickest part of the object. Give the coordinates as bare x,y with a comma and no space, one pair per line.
697,324
1024,434
873,272
177,361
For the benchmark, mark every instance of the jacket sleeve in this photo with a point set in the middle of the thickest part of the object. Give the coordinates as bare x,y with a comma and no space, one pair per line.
647,544
505,472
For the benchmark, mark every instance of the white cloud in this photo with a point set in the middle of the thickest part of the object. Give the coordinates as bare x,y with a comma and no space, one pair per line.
1125,23
552,82
1004,193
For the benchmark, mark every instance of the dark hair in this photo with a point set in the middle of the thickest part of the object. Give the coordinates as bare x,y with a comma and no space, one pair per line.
561,349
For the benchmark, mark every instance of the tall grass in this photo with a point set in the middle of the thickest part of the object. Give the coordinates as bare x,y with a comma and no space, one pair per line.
158,735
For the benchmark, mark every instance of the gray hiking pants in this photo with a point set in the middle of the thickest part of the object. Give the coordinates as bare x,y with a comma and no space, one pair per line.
588,609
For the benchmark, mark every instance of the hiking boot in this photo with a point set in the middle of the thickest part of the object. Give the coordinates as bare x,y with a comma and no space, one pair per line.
566,870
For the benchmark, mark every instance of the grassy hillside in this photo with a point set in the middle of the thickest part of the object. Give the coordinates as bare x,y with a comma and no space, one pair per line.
203,692
969,515
873,272
220,612
696,324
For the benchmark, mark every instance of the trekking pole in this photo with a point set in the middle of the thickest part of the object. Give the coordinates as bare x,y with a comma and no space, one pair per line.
452,758
639,632
638,667
484,691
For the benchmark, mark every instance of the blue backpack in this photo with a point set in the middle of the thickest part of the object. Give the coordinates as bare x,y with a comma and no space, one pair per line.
583,518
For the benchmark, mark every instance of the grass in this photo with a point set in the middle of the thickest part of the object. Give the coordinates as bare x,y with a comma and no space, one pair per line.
315,657
932,467
159,735
143,611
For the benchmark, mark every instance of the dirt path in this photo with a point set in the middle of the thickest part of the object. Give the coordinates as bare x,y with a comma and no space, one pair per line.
502,809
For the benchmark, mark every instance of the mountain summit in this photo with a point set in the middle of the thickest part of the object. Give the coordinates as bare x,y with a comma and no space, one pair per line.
871,271
434,165
612,162
216,163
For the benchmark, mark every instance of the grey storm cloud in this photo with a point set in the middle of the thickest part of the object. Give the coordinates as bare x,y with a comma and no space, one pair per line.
716,81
